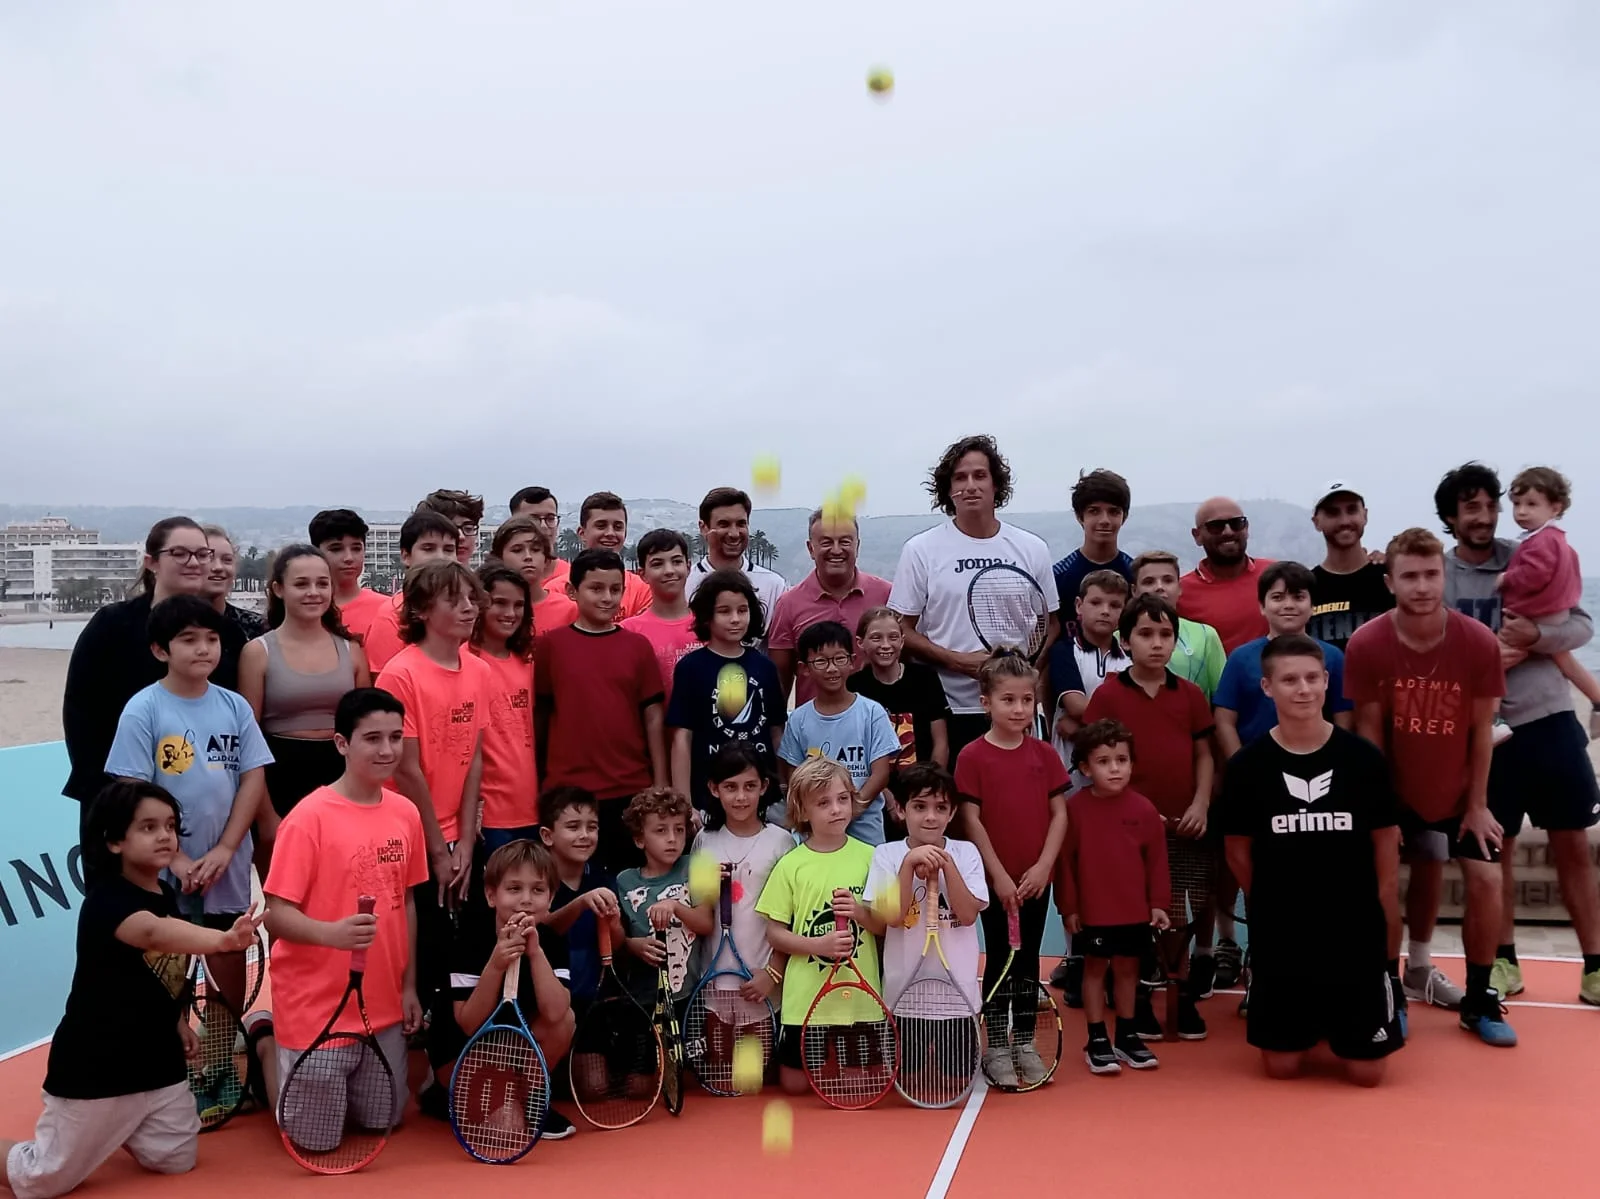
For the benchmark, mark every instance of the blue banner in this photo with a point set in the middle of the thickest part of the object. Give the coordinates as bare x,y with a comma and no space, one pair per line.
41,884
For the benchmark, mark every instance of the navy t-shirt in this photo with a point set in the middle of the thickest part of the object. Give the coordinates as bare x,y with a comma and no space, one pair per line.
697,706
583,938
1070,573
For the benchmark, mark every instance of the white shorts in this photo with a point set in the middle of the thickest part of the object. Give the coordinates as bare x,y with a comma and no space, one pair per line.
74,1136
346,1075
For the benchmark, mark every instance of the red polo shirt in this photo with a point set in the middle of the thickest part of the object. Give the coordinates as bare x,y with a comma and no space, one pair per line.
1230,606
806,603
1165,727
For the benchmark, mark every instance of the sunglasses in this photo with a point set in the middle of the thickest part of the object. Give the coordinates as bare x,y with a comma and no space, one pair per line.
1237,523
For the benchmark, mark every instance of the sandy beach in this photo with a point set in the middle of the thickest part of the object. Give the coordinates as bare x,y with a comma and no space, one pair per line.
31,682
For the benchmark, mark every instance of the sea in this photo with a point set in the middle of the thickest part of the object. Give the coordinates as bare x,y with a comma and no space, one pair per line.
63,634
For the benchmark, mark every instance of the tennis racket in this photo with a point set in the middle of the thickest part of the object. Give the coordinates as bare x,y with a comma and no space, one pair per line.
847,1040
616,1063
219,1074
500,1088
339,1102
665,1018
719,1015
1007,607
936,1028
1193,866
1021,1021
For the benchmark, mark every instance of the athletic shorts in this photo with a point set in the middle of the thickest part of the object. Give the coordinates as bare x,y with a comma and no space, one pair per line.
1438,841
789,1047
1297,1004
1112,940
347,1074
159,1128
1543,773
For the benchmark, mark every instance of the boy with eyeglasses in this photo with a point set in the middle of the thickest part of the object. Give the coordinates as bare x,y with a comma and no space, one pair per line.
1221,590
463,510
841,726
541,504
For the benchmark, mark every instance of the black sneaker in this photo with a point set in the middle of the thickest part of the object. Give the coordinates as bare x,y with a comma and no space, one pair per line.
1230,961
1145,1025
1202,975
1067,978
434,1101
1191,1025
1134,1054
1101,1057
556,1126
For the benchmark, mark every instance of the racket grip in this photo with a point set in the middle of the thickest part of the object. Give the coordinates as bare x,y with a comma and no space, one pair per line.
603,936
1014,928
365,905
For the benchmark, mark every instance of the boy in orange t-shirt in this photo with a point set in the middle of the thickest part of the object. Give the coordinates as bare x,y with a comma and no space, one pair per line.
353,838
426,536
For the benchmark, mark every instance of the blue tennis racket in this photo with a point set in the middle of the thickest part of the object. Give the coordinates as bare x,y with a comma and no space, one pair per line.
720,1014
500,1089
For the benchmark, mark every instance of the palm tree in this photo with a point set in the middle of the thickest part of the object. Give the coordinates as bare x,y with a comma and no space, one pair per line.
697,545
762,549
568,546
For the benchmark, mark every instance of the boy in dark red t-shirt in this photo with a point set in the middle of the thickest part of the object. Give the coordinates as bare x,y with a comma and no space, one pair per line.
598,707
1112,887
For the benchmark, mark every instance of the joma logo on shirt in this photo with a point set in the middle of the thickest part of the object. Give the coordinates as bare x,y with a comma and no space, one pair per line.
965,564
1313,822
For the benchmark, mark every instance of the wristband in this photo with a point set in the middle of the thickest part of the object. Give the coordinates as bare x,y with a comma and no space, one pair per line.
773,975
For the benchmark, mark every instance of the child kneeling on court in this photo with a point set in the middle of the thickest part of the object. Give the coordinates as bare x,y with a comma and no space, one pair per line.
512,933
116,1077
352,838
820,879
1112,888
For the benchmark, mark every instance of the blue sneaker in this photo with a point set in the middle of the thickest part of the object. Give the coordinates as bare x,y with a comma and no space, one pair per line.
1485,1015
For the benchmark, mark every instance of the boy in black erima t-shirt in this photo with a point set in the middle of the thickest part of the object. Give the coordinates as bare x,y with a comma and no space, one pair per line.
1310,824
116,1078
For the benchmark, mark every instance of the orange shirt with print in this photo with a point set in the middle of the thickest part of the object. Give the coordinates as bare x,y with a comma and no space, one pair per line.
382,638
445,711
510,786
331,851
360,612
555,610
671,639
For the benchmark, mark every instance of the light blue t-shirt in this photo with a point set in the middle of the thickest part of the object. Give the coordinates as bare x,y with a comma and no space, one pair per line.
196,749
857,737
1240,689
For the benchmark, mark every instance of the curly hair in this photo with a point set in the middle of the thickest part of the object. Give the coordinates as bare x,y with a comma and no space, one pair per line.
655,801
943,474
1547,481
1096,735
1461,485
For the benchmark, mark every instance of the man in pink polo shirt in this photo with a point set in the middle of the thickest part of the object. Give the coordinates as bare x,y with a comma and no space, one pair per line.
1221,590
835,590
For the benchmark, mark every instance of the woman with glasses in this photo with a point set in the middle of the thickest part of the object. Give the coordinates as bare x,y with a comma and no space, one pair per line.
112,660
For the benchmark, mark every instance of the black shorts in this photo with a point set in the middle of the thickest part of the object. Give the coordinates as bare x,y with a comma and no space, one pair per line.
789,1047
1543,773
1438,841
299,766
1111,940
1294,1005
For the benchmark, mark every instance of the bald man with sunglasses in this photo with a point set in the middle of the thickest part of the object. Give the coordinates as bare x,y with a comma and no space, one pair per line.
1221,590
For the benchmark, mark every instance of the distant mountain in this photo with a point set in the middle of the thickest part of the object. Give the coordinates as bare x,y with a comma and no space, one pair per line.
1277,529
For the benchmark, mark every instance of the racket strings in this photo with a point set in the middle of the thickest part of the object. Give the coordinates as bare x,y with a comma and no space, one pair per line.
616,1064
939,1043
714,1024
500,1095
1007,608
851,1065
338,1104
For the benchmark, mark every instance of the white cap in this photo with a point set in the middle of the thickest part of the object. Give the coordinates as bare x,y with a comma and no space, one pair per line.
1337,487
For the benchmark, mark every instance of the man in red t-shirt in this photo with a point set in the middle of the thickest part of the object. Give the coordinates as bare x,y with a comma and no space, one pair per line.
1221,590
1426,682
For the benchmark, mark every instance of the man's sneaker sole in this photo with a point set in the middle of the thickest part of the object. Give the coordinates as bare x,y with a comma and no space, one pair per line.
1103,1067
1133,1063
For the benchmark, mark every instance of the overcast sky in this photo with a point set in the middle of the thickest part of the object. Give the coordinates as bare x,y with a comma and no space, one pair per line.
353,251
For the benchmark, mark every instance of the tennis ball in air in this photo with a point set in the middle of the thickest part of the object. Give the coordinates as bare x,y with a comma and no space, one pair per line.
705,878
837,509
766,473
886,906
777,1128
748,1068
880,81
733,689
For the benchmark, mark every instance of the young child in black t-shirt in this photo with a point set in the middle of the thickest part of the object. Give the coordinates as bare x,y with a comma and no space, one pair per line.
116,1077
512,933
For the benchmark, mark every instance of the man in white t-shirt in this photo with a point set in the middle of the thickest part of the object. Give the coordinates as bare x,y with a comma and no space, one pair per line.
725,529
969,484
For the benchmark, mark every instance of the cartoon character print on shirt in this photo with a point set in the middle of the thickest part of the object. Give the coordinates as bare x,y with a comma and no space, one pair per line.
170,969
914,917
906,730
379,870
175,753
680,941
819,923
852,757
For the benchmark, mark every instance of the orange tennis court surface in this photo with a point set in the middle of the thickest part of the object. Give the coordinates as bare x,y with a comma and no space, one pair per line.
1455,1118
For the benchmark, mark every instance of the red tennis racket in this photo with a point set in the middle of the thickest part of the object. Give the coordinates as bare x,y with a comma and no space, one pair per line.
847,1041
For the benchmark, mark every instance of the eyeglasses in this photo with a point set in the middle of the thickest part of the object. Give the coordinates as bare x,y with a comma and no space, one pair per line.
838,662
1237,523
550,519
466,530
183,556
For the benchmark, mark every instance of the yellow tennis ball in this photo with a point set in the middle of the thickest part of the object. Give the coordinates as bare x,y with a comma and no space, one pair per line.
748,1068
733,689
887,904
853,491
705,878
777,1127
766,473
880,81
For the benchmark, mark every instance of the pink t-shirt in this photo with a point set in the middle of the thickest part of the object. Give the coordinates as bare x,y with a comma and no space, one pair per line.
1230,606
806,604
445,711
331,851
510,785
671,639
382,640
360,612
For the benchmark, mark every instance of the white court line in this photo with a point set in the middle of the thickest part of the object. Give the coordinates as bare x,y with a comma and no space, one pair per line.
942,1177
1569,1007
21,1049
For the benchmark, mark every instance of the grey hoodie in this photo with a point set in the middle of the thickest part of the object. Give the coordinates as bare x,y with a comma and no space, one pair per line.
1536,687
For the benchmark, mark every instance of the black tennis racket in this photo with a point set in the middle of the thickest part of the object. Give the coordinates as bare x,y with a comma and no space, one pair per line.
339,1102
1021,1021
616,1063
1007,607
665,1018
1192,864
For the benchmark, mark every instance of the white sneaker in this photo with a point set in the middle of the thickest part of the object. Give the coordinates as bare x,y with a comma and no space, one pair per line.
998,1068
1499,733
1429,984
1030,1065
